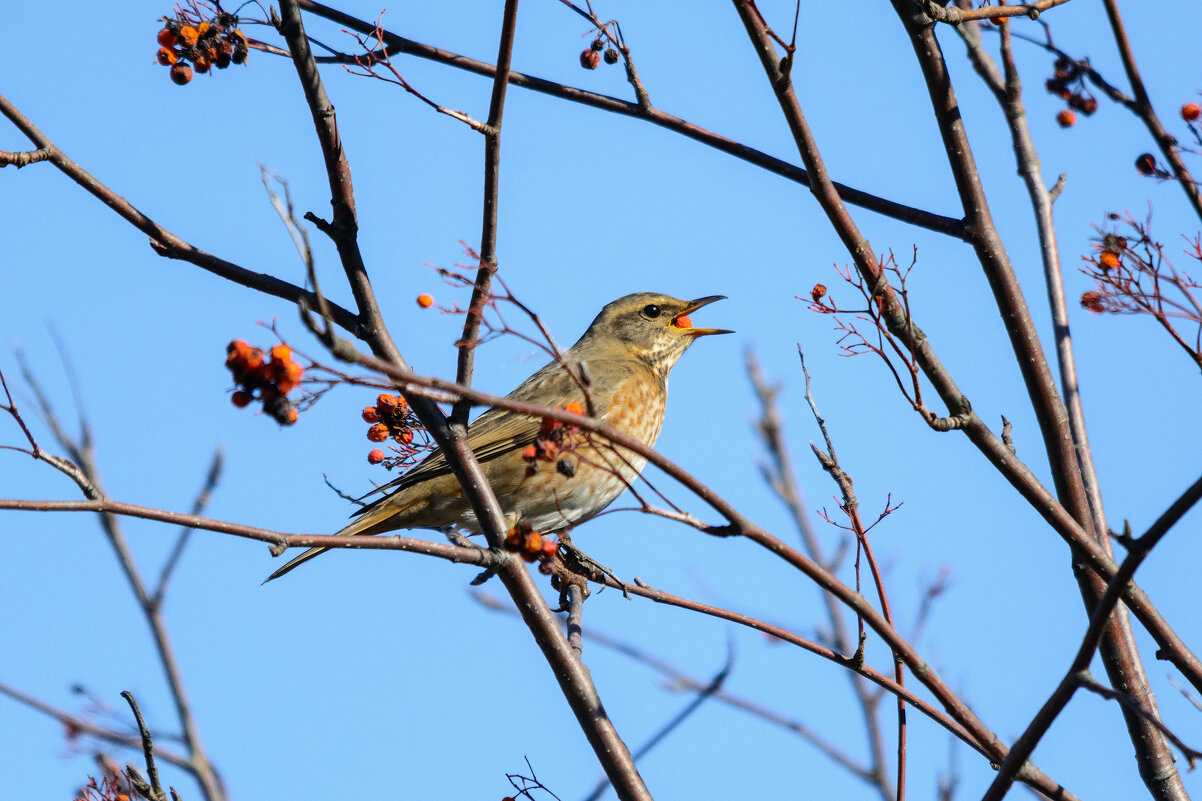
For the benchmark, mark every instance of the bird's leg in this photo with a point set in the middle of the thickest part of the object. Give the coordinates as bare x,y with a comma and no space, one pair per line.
455,537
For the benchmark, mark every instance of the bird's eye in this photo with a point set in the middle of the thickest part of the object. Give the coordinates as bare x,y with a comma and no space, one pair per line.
651,311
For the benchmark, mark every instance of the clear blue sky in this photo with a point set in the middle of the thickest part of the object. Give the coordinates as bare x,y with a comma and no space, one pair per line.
374,674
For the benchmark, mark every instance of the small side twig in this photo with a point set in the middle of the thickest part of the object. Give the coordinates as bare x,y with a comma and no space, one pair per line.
155,789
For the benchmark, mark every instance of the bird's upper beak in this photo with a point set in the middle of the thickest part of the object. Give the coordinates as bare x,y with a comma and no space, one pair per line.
683,324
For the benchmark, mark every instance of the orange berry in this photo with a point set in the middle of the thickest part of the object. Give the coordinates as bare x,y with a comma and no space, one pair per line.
1066,119
166,38
683,321
370,415
425,300
403,435
818,292
181,73
529,452
290,417
1108,260
549,548
574,408
189,36
386,403
288,378
241,399
376,456
378,432
1191,112
589,59
202,28
281,353
167,56
248,358
202,64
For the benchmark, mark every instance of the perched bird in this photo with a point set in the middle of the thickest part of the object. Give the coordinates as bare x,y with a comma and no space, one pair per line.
623,359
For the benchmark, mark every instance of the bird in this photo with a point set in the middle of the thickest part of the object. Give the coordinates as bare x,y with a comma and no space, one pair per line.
618,370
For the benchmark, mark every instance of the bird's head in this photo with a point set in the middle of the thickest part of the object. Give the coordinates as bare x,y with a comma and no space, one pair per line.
647,325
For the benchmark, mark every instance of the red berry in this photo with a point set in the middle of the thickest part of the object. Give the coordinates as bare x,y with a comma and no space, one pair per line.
1093,301
1191,112
376,456
589,59
1066,119
181,73
241,399
1146,164
370,415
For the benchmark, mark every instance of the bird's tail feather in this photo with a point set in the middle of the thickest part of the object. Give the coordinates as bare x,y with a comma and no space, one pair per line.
373,519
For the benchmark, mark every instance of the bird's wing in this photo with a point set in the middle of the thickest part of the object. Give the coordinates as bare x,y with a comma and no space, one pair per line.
497,431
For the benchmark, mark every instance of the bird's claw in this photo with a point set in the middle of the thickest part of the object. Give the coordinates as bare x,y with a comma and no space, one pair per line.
572,566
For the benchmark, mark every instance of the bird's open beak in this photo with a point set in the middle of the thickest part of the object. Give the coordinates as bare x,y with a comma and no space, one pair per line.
683,324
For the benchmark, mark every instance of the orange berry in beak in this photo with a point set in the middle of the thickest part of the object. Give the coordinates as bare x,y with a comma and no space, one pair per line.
683,321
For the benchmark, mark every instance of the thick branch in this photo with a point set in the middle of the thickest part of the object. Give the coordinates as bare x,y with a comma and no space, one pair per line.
481,289
164,242
889,208
1098,622
1143,108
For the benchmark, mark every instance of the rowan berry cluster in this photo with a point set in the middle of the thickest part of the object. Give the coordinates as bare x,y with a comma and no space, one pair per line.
185,47
392,418
553,441
1068,83
1109,258
591,58
524,540
268,381
114,784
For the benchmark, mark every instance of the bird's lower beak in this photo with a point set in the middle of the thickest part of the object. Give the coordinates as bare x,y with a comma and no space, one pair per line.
683,324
